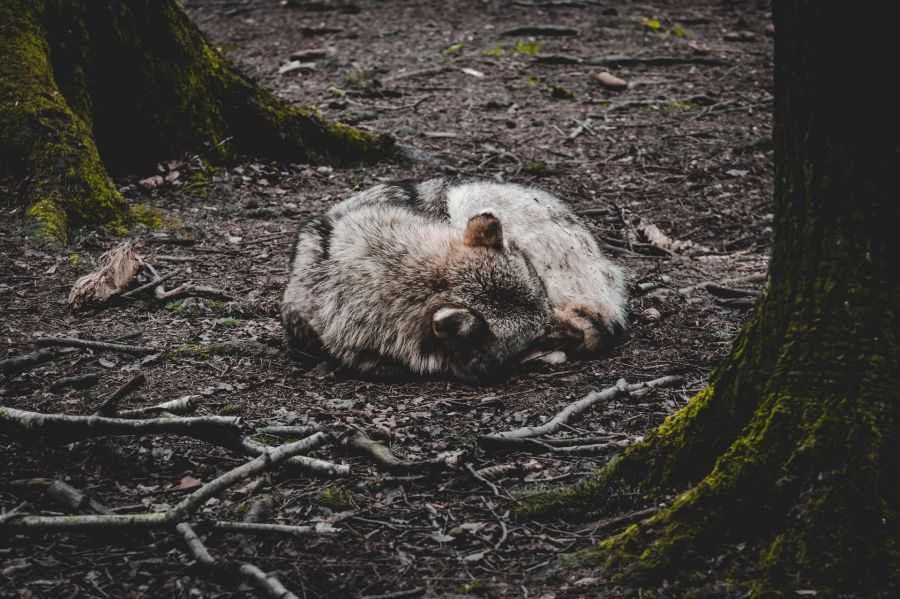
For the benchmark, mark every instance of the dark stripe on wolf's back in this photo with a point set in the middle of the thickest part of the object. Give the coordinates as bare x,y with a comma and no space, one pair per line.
321,224
411,189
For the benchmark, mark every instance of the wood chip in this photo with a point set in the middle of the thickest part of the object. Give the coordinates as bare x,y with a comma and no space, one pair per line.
118,267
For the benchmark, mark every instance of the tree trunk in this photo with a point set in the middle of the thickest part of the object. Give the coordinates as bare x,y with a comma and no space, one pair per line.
790,454
93,88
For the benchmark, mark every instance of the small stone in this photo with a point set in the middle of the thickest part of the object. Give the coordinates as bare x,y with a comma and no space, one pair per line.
769,30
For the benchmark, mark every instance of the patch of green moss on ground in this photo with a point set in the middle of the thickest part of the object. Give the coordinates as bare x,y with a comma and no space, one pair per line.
150,217
561,93
229,409
155,220
336,499
539,168
527,48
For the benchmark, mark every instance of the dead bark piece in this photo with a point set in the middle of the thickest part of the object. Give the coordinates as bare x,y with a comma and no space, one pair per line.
111,404
117,270
610,81
17,364
655,237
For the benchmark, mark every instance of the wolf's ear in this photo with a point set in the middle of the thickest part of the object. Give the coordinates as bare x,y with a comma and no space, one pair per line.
449,323
484,230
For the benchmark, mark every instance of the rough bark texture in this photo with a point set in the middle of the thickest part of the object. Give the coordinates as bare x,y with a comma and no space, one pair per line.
790,454
92,88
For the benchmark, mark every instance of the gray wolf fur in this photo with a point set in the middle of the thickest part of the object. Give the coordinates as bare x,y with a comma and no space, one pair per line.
449,278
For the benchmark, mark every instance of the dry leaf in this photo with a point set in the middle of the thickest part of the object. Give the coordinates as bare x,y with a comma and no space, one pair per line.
610,81
118,267
189,482
152,182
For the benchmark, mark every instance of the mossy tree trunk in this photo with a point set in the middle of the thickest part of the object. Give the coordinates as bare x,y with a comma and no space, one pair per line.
790,455
89,89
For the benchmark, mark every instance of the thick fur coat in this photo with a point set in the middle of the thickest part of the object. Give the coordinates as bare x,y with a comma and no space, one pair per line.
444,277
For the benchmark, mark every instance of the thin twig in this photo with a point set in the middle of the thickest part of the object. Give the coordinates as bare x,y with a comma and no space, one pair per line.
481,479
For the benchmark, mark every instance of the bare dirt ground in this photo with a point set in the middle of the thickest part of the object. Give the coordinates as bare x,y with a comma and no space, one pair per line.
686,147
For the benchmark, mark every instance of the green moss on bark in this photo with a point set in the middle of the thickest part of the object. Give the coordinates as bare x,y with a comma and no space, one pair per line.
786,464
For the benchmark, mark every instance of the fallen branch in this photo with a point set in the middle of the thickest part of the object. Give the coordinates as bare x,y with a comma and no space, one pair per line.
387,460
288,431
260,528
75,500
310,465
34,427
757,278
268,583
180,406
407,594
64,494
154,282
527,444
17,364
79,381
111,404
16,511
180,511
730,292
574,409
190,290
96,345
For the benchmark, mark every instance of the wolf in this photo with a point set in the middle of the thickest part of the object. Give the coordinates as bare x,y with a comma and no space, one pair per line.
462,278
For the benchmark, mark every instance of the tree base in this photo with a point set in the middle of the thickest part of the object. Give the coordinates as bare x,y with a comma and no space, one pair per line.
84,92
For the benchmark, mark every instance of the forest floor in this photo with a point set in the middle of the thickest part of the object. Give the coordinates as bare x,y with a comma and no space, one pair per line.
685,147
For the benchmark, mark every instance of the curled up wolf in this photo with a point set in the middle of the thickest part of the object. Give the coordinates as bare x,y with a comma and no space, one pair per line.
450,278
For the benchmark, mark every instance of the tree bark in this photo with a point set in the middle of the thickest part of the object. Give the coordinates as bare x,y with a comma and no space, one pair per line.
89,89
790,454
